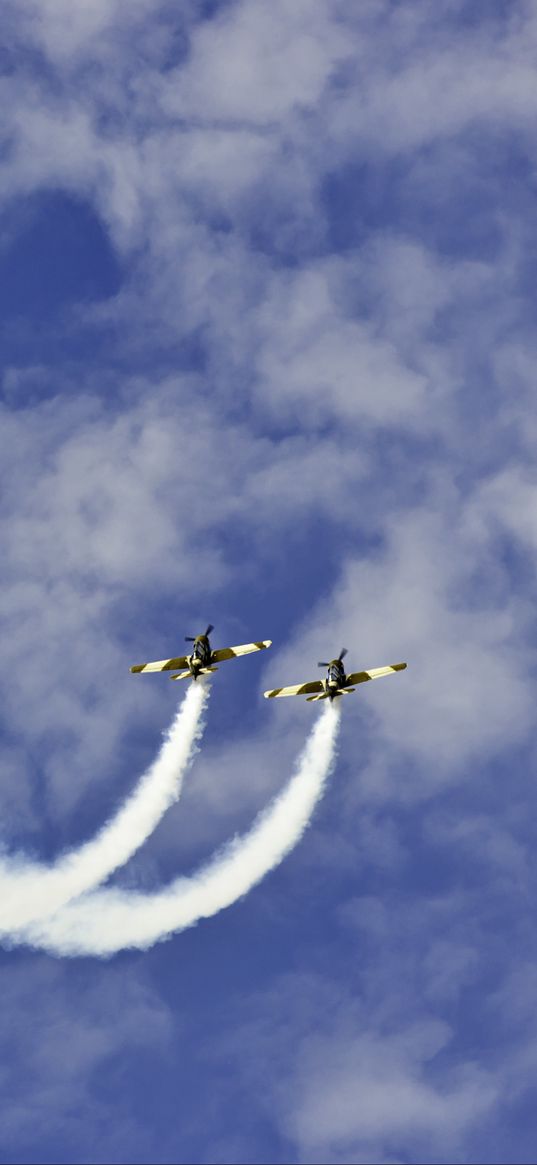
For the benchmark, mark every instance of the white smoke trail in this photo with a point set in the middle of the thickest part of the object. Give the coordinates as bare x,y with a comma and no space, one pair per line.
110,920
29,891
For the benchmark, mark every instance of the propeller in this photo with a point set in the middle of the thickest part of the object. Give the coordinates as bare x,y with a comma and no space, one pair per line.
192,638
341,656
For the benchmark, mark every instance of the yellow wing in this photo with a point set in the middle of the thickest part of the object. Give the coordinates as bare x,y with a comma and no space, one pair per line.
162,664
295,689
375,673
242,649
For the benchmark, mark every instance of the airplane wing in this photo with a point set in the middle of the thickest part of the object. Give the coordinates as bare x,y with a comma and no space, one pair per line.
162,665
375,673
242,649
296,689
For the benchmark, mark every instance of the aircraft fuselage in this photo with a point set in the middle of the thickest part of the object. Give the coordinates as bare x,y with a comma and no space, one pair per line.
335,679
201,655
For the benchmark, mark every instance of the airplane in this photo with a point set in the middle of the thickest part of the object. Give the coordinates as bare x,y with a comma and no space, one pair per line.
202,658
336,682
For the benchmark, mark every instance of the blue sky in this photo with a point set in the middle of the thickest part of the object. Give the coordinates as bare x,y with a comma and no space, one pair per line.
268,350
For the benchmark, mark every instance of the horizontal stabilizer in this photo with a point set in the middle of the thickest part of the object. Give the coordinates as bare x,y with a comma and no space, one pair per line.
203,671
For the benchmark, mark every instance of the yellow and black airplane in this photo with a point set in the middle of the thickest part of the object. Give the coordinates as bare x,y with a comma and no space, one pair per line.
336,682
202,658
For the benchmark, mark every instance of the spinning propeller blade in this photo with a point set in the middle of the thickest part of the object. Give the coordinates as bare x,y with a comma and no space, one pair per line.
323,664
342,654
192,639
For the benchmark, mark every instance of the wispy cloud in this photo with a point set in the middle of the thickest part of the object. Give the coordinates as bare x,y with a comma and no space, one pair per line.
310,397
60,1043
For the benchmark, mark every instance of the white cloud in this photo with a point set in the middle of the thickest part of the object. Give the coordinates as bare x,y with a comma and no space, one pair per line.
400,381
374,1093
508,501
58,1040
349,1077
317,362
112,507
467,691
106,508
257,62
422,83
68,35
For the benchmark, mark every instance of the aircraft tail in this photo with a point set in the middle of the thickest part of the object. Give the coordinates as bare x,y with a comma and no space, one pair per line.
185,675
331,695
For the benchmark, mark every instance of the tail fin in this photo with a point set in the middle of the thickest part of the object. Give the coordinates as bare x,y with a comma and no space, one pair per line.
184,675
332,695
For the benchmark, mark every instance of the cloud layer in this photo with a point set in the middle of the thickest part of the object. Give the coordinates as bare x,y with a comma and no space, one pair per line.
299,393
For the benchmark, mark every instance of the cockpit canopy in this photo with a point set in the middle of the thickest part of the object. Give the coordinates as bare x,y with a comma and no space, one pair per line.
336,671
201,649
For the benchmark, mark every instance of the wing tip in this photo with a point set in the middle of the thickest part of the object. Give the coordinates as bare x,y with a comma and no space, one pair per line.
399,666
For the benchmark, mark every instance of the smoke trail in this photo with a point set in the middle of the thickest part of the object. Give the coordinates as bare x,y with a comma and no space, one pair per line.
110,920
29,891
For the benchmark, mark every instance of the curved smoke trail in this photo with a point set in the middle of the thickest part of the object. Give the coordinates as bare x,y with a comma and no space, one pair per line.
110,920
29,891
